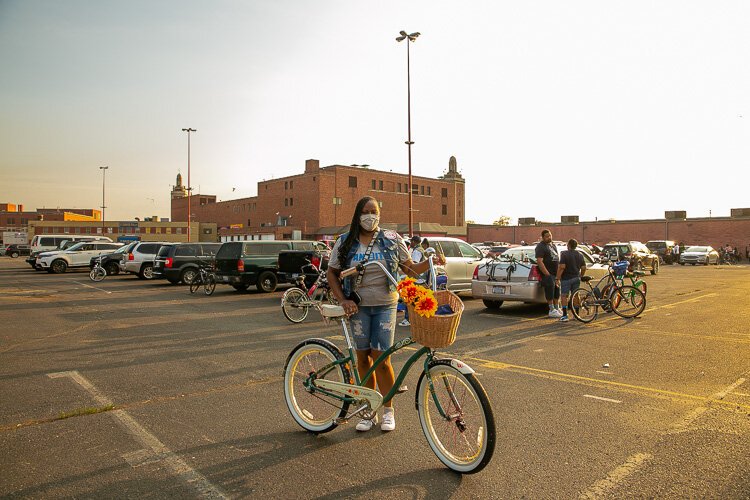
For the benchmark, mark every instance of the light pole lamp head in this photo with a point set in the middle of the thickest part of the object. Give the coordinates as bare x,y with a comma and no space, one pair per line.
189,130
103,168
411,36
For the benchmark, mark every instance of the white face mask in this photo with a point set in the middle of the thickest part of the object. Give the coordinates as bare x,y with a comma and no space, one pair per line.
369,221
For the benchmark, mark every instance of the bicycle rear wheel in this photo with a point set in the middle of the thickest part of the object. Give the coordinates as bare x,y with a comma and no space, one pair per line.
97,274
295,305
463,439
628,301
196,283
584,305
210,285
313,411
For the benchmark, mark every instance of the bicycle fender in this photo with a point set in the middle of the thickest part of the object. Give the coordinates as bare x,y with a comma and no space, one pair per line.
334,348
461,366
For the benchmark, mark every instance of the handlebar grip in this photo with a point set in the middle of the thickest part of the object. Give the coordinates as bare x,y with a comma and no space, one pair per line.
348,272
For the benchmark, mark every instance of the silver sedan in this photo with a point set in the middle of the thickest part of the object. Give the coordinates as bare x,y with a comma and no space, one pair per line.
703,255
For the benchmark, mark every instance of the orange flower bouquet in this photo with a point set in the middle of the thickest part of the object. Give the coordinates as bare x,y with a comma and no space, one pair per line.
421,298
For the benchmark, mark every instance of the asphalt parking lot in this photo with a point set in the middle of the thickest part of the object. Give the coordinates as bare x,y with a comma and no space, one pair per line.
128,388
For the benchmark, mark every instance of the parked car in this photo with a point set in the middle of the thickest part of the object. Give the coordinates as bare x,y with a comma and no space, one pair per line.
14,250
140,259
79,255
292,263
662,248
503,280
639,256
111,261
460,261
245,263
699,255
179,262
56,242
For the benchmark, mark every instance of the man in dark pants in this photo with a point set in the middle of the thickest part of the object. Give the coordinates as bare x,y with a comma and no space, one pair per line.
569,272
546,260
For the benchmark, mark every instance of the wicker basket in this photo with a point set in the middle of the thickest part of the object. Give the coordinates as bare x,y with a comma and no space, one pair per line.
437,331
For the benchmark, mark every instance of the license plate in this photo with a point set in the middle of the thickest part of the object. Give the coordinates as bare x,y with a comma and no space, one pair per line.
226,279
498,289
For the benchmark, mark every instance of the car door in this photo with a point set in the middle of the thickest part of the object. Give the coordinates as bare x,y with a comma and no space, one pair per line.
455,265
471,258
82,255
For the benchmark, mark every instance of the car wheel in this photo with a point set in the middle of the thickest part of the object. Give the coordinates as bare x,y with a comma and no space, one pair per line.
708,261
682,263
655,267
14,255
240,288
58,266
492,304
112,269
692,263
147,272
188,275
267,282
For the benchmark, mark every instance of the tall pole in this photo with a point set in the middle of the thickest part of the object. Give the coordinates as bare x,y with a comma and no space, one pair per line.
188,130
409,38
104,176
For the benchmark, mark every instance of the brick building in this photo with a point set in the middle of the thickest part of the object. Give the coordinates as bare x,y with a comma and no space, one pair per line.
714,231
128,230
319,203
14,218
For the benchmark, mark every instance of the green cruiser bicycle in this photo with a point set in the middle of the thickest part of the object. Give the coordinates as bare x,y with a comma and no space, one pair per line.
321,384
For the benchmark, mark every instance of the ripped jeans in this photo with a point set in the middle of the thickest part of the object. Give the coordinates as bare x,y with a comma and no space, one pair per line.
373,327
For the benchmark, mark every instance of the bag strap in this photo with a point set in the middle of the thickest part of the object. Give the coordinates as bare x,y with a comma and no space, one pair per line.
367,256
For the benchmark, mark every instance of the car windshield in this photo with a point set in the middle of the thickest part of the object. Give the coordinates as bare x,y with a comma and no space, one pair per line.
697,249
125,249
520,253
75,246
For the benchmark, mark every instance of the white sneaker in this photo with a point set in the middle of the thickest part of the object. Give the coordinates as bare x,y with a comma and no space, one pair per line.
389,421
405,323
554,313
365,425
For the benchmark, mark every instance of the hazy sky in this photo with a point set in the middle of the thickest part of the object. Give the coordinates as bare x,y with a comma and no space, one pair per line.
593,108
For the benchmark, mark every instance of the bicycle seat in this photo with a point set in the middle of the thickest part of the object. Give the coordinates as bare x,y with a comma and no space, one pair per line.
586,279
331,311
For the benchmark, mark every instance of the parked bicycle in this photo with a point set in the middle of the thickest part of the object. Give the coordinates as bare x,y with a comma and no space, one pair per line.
98,273
626,301
321,383
298,300
205,278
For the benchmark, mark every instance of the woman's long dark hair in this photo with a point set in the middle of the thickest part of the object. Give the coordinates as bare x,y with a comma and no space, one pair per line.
353,236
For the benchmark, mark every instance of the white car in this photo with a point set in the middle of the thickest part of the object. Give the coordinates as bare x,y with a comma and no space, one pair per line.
703,255
519,280
79,255
460,260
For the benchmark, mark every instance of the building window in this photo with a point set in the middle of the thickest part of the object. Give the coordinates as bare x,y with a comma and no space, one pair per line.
286,202
429,191
415,189
373,184
286,185
380,185
313,178
421,190
291,184
337,201
352,181
248,222
399,188
444,193
291,202
445,209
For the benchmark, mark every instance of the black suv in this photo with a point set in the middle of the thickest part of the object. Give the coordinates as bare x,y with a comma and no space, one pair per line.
111,261
180,261
14,250
245,263
662,248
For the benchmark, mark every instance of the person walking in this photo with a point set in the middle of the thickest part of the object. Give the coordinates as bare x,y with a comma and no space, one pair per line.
547,259
369,298
676,254
569,272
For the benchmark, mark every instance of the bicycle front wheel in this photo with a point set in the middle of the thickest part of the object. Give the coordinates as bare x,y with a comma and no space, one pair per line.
196,283
210,285
97,274
294,305
584,306
628,301
314,411
463,437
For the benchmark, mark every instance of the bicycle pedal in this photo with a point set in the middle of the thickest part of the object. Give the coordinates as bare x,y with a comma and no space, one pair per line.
340,421
402,389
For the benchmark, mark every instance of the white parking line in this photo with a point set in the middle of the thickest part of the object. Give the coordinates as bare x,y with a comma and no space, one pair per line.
156,451
604,487
602,399
89,286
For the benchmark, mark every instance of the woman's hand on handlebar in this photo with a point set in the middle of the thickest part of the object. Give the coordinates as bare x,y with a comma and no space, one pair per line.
350,307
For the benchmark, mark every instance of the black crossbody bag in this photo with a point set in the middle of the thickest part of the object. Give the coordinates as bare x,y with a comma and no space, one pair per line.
353,295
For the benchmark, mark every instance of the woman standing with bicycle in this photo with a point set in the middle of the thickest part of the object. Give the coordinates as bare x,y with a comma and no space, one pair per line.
369,298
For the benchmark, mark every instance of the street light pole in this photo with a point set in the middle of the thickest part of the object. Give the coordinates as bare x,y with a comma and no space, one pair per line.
104,175
188,130
409,38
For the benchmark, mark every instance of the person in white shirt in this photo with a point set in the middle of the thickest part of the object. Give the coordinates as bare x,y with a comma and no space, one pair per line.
417,255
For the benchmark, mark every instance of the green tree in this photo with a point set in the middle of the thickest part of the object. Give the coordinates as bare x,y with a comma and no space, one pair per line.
504,220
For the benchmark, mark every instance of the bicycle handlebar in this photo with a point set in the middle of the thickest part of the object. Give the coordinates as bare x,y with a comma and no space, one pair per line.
359,267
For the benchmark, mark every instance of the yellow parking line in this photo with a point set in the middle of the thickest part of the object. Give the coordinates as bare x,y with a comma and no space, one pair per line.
672,304
538,372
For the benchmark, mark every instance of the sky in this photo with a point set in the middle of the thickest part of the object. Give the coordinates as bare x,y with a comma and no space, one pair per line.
600,109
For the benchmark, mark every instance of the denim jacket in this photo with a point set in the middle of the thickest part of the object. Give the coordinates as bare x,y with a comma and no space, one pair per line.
388,246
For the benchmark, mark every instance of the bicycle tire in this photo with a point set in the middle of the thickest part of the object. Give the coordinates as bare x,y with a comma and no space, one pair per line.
462,397
293,305
628,301
196,283
584,305
210,285
97,274
316,413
